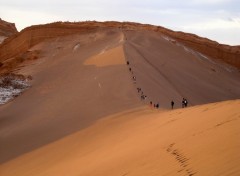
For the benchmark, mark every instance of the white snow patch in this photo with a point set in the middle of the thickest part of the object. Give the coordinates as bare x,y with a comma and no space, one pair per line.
11,87
7,94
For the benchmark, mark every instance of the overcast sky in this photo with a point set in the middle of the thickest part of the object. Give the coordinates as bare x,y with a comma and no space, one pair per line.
218,20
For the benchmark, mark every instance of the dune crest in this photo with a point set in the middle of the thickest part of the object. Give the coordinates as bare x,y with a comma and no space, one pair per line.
144,142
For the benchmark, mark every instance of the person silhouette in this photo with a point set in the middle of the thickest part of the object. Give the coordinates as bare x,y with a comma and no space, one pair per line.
172,103
183,102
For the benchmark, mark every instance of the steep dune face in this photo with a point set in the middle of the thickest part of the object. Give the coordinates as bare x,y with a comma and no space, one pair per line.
6,30
225,53
168,71
202,140
67,95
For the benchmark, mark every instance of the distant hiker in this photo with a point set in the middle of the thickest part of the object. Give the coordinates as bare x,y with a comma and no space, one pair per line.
172,103
183,103
138,89
151,103
143,97
127,62
157,105
134,78
130,69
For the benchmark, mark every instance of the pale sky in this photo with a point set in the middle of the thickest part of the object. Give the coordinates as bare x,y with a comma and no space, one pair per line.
217,20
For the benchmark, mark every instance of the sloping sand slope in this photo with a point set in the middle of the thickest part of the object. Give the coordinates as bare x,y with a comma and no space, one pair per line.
167,70
66,95
202,140
83,114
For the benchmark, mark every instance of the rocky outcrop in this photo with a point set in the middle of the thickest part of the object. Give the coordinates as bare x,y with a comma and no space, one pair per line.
21,42
7,29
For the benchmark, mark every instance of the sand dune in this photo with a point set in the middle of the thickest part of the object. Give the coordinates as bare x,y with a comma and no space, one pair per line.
167,70
107,57
201,140
83,114
66,95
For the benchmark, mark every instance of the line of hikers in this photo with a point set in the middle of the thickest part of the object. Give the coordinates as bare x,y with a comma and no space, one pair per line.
184,103
143,97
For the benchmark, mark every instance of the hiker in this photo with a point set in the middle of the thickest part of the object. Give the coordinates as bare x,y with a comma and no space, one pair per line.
127,62
183,103
130,69
139,89
134,78
143,97
157,105
172,103
151,103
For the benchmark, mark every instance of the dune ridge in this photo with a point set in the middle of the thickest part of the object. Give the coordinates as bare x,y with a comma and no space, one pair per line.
144,142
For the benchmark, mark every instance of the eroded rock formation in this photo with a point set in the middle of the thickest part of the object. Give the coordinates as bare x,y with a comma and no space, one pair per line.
21,42
7,29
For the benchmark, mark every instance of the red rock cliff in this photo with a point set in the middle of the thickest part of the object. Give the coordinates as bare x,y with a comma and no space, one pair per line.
7,29
30,36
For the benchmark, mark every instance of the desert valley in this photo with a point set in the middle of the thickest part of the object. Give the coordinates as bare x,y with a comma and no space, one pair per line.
79,99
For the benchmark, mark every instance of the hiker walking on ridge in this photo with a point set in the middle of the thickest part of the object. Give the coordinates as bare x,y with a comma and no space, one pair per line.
172,103
183,102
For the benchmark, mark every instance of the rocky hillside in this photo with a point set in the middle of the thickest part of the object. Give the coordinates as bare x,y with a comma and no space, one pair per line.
6,29
20,43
